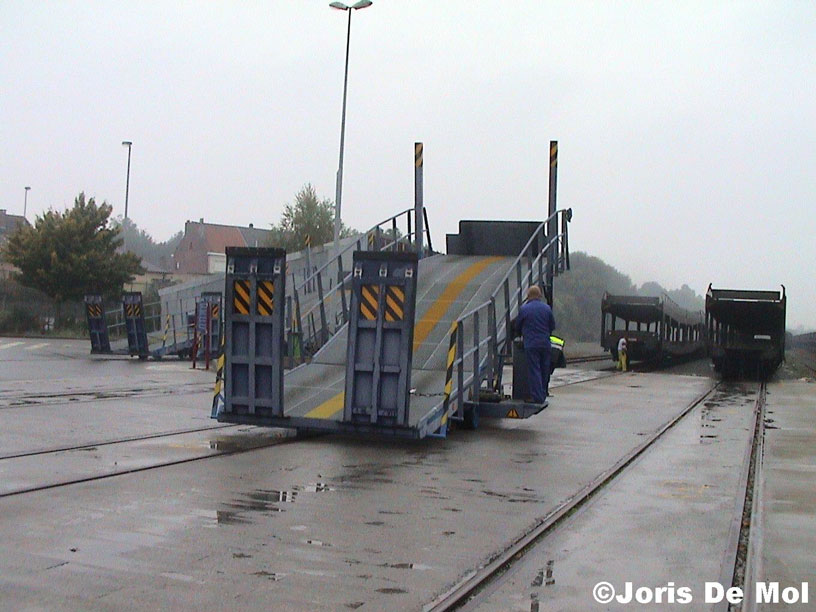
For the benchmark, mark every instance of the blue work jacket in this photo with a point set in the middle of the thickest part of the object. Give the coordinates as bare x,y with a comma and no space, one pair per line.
535,322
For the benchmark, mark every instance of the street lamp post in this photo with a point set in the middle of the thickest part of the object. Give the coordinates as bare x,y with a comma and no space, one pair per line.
127,144
339,190
25,201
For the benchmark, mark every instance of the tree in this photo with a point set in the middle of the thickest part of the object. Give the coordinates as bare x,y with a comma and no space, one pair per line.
66,255
307,216
141,243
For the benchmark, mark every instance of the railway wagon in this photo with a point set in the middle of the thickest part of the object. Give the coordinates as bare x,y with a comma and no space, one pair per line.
656,328
746,331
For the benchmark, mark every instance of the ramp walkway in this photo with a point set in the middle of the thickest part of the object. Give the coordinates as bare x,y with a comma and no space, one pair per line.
459,307
447,287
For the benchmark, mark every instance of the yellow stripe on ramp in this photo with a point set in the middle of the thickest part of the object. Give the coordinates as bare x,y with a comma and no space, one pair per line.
423,327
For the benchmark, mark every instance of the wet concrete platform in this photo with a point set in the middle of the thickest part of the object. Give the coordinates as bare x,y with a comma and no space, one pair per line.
784,528
320,524
665,521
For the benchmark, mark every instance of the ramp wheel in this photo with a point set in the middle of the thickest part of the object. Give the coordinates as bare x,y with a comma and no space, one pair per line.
471,418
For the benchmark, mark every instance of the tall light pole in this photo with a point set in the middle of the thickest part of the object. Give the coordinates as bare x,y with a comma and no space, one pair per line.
339,191
127,144
25,201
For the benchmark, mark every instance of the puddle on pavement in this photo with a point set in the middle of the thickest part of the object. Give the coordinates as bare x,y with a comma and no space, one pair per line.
413,566
222,517
265,501
274,576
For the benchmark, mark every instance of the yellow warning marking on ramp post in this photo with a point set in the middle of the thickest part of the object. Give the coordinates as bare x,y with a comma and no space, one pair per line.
394,303
423,327
266,298
369,301
513,414
240,296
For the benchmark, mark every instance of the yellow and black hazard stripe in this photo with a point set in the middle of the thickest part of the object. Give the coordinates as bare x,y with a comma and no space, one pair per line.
214,311
240,296
370,239
553,153
451,358
418,154
369,301
266,298
218,397
94,310
133,310
394,303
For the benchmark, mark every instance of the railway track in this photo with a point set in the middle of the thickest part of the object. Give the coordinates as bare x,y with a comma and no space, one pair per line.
22,398
258,438
481,583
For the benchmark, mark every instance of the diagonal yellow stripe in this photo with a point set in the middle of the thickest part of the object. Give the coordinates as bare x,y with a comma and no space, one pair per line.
441,305
366,312
330,407
395,306
241,290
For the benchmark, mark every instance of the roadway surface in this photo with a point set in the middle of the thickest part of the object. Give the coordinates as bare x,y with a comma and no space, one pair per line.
118,492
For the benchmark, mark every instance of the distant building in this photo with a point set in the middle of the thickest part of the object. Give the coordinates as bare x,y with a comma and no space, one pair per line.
201,250
9,223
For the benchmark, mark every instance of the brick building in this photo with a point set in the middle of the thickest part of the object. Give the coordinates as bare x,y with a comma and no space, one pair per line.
201,250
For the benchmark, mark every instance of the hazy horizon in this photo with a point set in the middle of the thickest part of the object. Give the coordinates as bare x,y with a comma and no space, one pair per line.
685,130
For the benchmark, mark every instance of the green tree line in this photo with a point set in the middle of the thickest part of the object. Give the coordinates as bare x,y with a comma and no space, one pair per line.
578,295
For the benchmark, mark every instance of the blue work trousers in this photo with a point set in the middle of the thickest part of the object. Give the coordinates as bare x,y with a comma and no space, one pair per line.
538,368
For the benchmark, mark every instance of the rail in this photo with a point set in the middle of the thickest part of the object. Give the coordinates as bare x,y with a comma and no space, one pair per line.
479,338
308,331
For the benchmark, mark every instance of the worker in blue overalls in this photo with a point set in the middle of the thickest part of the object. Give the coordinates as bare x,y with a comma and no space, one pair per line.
536,322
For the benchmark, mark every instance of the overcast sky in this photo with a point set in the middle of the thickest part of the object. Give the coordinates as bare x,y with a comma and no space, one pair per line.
686,130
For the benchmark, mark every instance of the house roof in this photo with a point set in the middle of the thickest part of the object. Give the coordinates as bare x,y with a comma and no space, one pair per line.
9,223
217,237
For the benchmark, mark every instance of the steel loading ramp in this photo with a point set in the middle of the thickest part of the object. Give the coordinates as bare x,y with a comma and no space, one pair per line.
447,286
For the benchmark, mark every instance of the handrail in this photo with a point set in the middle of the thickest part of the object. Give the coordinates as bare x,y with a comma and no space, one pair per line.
311,277
486,350
320,332
541,226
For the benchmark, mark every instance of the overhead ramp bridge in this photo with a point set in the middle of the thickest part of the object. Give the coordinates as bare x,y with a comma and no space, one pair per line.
420,343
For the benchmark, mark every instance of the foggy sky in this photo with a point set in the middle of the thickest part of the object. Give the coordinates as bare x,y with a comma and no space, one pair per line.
686,130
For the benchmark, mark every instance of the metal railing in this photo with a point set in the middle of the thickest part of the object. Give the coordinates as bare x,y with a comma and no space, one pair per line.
482,335
172,330
309,329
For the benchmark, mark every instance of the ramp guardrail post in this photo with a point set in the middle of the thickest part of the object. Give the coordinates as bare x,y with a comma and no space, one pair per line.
254,322
381,337
135,324
97,324
212,300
